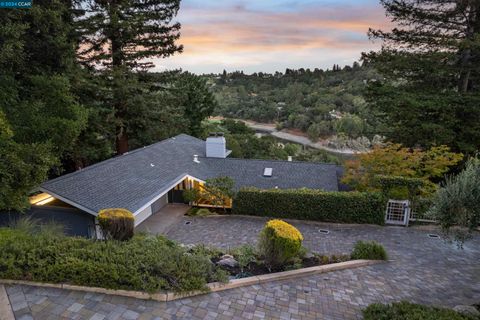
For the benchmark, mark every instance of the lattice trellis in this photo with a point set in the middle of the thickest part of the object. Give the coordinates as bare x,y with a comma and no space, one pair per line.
398,212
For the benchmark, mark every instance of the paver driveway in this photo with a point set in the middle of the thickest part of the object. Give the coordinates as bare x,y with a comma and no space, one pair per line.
422,269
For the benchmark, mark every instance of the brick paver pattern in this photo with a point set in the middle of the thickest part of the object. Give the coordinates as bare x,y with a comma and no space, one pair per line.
421,269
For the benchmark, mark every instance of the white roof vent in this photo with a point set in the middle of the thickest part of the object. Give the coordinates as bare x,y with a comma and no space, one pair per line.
267,172
195,158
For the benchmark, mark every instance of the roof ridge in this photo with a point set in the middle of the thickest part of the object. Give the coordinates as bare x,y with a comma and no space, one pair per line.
277,160
59,178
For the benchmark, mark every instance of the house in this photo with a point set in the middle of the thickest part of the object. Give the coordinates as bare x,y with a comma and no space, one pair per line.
145,180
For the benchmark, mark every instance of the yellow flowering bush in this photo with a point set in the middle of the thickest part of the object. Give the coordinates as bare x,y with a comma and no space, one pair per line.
116,223
285,230
279,243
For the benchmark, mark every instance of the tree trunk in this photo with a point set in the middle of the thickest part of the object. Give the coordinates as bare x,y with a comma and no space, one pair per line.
464,80
466,55
121,141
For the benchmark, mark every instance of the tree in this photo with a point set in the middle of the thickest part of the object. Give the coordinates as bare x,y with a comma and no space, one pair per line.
219,190
35,78
350,124
455,205
123,36
313,132
41,117
396,160
430,63
22,168
196,100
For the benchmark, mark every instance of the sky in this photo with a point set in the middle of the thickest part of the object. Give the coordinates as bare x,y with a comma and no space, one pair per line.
272,35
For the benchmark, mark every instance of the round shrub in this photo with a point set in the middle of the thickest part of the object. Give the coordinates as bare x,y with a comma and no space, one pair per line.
279,243
369,250
116,223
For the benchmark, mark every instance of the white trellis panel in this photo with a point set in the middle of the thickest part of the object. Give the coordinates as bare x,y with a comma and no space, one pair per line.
398,212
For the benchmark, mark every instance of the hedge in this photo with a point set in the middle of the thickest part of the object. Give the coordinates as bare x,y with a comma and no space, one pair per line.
308,204
410,311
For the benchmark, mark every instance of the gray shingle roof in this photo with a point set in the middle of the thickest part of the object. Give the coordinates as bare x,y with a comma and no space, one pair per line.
133,179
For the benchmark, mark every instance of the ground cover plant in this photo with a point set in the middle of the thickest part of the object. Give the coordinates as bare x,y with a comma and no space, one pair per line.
410,311
369,250
199,212
146,263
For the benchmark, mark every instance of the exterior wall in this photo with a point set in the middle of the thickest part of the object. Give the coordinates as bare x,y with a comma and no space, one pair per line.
75,222
142,215
159,204
153,208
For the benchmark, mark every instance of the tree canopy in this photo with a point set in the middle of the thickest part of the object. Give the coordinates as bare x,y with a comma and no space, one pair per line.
396,160
430,62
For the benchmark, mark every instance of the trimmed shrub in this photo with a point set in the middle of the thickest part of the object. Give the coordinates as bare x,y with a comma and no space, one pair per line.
409,311
146,263
369,250
116,223
279,243
307,204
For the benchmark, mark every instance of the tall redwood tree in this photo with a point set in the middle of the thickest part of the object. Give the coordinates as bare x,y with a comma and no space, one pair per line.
121,37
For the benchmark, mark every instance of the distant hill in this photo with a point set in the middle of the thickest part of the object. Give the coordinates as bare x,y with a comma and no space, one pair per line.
325,104
322,103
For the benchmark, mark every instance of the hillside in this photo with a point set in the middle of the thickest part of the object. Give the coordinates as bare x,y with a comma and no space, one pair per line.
319,103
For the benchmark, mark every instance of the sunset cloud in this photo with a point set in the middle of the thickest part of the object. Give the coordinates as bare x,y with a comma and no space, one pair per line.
273,35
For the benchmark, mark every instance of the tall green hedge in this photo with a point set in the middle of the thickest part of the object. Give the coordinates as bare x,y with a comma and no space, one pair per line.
307,204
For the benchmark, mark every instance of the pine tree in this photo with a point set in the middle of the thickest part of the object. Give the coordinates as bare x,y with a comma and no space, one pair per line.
123,36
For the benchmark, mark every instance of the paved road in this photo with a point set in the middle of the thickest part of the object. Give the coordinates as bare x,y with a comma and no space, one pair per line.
422,269
272,130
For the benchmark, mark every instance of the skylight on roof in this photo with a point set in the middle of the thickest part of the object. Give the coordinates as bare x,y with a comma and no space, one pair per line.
267,172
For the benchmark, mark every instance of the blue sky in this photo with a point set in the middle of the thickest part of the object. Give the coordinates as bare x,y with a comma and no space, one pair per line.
272,35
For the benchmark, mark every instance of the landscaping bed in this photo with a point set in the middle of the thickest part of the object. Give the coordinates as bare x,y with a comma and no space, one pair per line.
154,264
256,268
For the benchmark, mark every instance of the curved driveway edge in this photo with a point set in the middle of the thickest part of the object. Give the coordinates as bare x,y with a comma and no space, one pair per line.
214,287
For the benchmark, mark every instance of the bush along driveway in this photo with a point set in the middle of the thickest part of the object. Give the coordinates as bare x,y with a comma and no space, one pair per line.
421,269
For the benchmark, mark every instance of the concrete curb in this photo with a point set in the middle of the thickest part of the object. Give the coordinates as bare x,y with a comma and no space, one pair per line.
6,312
213,287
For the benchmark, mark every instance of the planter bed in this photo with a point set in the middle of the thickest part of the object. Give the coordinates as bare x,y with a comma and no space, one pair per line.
153,267
258,268
165,296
